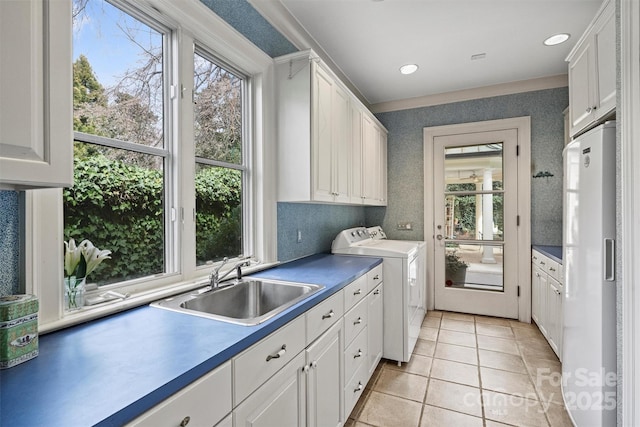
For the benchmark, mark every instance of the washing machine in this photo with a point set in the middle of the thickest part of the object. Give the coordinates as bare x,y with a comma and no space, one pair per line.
404,281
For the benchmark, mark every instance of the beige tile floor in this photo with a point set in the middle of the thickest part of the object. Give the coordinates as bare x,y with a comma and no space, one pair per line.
467,371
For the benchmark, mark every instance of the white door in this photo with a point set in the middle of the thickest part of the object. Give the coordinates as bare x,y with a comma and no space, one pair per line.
475,220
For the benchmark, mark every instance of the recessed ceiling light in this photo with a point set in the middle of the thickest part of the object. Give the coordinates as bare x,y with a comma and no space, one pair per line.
408,69
557,39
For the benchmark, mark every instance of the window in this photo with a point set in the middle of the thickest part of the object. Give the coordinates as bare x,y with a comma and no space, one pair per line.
220,164
164,180
122,155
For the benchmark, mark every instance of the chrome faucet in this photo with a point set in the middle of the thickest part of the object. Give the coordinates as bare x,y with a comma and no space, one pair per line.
215,279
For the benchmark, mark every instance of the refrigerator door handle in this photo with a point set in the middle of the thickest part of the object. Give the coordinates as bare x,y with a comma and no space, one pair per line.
609,260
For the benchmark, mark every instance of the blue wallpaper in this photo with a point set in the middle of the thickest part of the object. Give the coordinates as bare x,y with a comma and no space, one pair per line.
319,225
406,158
9,243
247,21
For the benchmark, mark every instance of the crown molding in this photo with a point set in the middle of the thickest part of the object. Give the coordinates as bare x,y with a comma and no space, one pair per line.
561,80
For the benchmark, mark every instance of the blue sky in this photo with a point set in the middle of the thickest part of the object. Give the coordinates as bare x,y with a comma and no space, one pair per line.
97,36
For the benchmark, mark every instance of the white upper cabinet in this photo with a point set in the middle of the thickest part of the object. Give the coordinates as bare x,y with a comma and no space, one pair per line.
36,110
592,72
321,148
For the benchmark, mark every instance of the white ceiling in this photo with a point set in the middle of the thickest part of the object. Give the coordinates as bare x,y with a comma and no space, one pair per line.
370,39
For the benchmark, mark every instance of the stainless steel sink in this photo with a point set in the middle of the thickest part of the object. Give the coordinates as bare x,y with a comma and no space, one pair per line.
249,302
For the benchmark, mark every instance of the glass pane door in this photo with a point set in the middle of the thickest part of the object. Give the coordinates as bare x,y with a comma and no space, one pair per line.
475,231
474,225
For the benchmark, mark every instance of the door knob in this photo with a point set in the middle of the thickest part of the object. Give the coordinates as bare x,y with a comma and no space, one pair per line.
439,237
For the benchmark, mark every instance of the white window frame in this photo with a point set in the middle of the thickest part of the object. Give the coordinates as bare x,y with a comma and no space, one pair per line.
193,23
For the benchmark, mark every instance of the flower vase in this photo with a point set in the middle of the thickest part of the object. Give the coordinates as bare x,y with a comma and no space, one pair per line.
74,289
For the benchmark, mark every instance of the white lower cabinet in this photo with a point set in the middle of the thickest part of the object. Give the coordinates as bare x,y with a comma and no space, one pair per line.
554,317
546,299
324,379
375,329
310,372
278,402
193,404
258,363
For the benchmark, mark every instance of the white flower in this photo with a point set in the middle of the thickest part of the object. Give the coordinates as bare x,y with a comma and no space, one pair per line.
82,259
93,255
72,256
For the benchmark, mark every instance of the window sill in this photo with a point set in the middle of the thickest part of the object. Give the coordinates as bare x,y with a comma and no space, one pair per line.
97,311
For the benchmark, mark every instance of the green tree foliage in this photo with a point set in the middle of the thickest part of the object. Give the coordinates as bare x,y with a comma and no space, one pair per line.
118,199
218,213
120,207
465,207
89,98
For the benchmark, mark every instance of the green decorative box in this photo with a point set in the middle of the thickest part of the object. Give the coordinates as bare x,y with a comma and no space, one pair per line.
18,329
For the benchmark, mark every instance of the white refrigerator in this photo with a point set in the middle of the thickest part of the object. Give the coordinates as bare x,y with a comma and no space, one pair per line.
589,303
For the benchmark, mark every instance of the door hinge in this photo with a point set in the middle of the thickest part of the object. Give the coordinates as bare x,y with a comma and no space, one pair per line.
518,220
517,150
518,290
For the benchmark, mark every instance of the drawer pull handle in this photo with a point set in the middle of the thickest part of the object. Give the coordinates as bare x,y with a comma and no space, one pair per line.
542,263
358,292
552,269
376,277
359,354
329,315
357,321
376,292
359,387
185,421
280,352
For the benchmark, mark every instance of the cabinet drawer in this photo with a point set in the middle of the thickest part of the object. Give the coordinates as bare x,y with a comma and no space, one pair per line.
194,401
259,362
354,292
355,321
374,277
324,315
354,390
560,274
356,353
538,259
552,268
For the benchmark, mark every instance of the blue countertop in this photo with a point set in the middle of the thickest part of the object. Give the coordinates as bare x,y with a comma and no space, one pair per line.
108,371
553,252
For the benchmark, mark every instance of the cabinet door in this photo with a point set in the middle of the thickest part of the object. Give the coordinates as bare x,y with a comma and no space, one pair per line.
324,382
355,192
370,178
581,88
341,145
605,44
322,135
382,186
36,138
543,291
374,328
279,402
554,315
535,293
